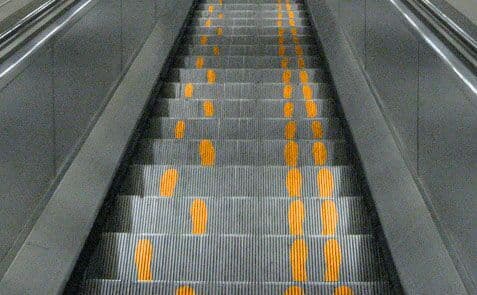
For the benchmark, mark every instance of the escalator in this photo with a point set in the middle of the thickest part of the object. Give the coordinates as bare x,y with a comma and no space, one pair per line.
243,181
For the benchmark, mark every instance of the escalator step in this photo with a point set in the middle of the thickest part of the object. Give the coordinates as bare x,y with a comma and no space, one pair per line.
243,108
241,181
249,30
247,90
244,75
242,152
317,128
247,40
253,50
239,258
234,215
248,62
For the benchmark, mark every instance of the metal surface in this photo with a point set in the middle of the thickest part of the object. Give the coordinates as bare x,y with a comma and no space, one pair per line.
62,79
425,94
234,103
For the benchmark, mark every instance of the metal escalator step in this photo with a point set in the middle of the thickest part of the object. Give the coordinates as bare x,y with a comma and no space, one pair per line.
247,90
241,152
242,181
241,108
254,50
252,31
319,128
255,14
113,287
245,75
250,6
233,215
234,258
238,22
209,2
234,62
247,40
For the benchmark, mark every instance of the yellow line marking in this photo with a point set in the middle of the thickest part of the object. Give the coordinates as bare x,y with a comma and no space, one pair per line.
189,90
325,180
320,153
221,15
279,23
291,153
296,217
287,91
199,62
216,50
286,76
281,50
180,129
185,290
290,130
281,40
294,290
298,257
301,63
211,8
343,290
221,2
329,218
208,23
211,76
207,153
332,260
288,6
291,14
220,31
198,215
303,77
293,31
317,129
284,63
208,108
311,109
292,22
281,31
294,183
288,109
143,260
280,15
203,40
168,183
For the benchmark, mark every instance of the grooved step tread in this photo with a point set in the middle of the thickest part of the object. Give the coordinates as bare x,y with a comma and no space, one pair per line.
233,215
243,152
243,108
113,287
323,181
289,91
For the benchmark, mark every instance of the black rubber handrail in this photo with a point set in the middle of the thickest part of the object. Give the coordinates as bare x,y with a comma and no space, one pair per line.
451,25
27,20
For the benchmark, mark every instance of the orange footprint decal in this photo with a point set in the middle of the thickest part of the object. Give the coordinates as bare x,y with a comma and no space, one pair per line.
329,218
298,257
294,183
325,181
168,183
207,153
143,260
198,214
332,260
296,217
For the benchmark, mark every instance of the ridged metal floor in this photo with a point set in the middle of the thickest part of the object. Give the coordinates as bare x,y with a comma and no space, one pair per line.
242,183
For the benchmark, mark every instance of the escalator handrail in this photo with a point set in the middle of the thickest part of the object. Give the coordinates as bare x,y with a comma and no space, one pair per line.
451,25
27,20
